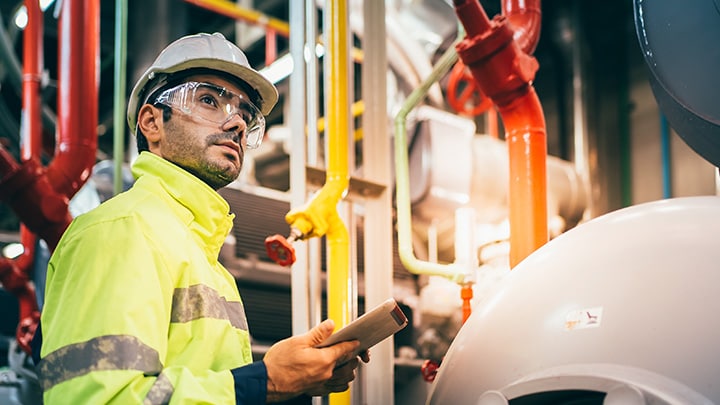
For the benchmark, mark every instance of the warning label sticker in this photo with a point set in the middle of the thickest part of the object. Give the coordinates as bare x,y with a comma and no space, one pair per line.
583,318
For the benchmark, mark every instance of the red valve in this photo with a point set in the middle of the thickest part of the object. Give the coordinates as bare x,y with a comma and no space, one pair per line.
26,331
470,101
429,370
280,250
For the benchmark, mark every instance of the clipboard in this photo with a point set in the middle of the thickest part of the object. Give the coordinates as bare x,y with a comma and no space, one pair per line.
372,327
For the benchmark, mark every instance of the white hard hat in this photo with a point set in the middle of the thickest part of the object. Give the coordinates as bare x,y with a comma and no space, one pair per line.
208,51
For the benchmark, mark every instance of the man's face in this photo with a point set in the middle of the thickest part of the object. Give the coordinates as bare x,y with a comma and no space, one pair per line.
213,152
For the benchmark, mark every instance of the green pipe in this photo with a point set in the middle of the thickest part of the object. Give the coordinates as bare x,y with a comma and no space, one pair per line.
453,272
119,76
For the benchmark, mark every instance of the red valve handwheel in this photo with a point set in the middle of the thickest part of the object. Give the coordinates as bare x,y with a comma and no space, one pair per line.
470,101
26,330
280,250
429,370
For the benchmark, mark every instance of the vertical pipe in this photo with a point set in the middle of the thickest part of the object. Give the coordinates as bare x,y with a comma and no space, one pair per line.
338,114
402,177
504,72
79,44
119,77
377,167
526,139
580,139
299,275
31,125
311,113
270,46
666,157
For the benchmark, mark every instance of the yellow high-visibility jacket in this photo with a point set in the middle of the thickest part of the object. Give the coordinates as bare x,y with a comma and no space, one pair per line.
137,307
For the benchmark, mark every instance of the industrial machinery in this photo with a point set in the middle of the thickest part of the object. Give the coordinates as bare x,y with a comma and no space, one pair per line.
498,147
615,311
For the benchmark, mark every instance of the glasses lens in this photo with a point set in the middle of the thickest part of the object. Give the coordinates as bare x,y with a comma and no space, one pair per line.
216,104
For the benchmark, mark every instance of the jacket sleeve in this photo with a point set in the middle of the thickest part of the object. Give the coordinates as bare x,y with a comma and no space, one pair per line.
106,323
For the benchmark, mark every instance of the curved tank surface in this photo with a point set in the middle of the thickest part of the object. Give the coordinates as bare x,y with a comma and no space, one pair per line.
622,309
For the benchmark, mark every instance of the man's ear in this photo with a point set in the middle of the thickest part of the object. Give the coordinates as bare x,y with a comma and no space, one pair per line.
150,122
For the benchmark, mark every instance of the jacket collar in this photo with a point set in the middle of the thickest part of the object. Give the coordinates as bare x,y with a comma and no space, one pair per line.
208,212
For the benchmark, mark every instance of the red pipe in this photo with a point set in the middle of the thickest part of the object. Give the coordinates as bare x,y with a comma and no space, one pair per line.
77,96
31,129
524,17
26,189
505,74
39,196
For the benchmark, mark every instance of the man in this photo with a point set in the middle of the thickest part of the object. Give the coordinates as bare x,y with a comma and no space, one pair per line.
137,307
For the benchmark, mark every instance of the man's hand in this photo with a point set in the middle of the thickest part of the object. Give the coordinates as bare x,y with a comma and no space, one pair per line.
295,366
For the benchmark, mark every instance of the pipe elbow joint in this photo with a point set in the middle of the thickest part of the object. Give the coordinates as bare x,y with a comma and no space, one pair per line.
314,219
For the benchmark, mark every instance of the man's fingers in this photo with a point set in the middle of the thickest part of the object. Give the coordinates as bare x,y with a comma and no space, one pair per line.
365,356
337,387
321,332
344,351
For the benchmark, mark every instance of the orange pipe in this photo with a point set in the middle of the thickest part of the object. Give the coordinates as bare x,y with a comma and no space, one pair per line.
504,72
493,128
527,195
524,17
79,42
466,293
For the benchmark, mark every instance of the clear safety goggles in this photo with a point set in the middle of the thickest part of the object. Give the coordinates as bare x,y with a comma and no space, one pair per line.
216,104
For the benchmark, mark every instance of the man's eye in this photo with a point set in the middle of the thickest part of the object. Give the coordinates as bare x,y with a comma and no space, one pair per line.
208,100
246,116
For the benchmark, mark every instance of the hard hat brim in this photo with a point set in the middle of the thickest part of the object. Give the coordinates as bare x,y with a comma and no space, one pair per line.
267,91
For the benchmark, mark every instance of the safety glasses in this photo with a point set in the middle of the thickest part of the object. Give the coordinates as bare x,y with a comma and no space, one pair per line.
216,104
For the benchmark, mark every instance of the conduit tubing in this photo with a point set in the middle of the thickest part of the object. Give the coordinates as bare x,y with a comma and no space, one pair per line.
402,179
119,77
505,73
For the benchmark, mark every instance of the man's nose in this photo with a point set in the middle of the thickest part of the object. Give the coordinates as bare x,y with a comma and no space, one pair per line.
235,123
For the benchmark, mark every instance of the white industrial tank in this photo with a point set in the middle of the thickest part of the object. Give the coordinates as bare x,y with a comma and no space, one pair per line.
622,309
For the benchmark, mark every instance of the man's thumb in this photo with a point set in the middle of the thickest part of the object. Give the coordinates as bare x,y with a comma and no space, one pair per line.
321,332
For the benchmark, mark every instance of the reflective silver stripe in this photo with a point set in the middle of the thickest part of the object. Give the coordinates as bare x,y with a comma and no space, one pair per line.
200,301
111,352
160,393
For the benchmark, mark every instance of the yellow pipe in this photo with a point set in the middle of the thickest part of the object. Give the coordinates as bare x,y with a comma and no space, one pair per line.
232,10
320,215
356,109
